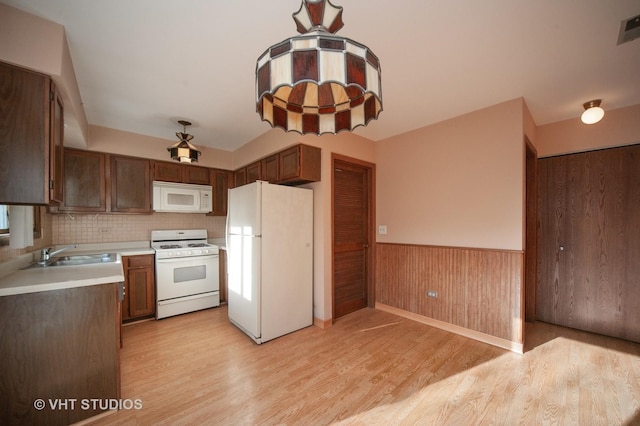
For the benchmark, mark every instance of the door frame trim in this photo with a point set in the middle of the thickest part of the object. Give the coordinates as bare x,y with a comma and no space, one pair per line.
530,258
371,183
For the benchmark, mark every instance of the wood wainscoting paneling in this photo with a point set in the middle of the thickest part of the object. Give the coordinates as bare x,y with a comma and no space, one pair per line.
477,289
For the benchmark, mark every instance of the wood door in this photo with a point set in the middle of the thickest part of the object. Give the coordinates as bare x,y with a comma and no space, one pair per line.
589,241
352,235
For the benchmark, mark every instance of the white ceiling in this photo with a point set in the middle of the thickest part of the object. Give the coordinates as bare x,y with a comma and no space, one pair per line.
142,65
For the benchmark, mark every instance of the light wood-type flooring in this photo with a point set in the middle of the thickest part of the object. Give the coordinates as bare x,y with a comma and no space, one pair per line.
372,368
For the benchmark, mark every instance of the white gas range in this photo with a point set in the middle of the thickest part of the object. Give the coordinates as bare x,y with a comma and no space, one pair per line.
187,277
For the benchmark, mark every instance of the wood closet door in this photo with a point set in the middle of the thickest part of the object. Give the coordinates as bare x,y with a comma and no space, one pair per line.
351,237
589,241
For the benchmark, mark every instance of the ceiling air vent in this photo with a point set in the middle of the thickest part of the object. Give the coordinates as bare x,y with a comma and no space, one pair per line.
629,29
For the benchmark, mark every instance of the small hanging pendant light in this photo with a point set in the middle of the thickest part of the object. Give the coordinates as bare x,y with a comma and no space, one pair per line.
184,151
318,82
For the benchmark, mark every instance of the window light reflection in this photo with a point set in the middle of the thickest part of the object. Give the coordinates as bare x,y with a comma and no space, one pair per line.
241,261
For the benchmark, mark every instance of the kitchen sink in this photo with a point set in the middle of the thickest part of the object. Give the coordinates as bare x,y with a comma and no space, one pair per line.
80,259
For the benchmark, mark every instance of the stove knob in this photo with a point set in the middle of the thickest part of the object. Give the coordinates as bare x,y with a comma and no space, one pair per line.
189,253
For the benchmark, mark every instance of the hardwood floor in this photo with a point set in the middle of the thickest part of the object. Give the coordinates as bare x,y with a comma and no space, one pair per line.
371,368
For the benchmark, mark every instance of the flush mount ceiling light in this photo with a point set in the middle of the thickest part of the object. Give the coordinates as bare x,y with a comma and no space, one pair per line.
593,113
183,151
318,82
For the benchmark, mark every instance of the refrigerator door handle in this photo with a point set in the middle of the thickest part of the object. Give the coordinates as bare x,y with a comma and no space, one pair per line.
226,225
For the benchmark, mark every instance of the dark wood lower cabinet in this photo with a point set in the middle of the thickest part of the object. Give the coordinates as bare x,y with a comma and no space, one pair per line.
140,296
60,349
589,241
222,270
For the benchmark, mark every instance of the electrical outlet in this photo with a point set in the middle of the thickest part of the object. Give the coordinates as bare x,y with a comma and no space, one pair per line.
382,229
432,293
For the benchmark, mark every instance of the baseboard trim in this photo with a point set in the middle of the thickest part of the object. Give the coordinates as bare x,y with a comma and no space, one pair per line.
456,329
322,323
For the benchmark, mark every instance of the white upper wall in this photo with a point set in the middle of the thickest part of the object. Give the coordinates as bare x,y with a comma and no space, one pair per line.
40,45
618,127
455,183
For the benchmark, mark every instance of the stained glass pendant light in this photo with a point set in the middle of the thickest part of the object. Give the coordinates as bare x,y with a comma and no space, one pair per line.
184,151
318,82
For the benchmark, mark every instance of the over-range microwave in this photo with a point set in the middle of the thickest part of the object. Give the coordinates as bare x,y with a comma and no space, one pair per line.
181,197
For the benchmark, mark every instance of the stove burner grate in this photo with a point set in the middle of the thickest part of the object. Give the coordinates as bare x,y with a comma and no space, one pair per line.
198,245
170,246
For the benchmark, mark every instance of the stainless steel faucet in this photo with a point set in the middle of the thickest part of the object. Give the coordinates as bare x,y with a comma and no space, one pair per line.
46,253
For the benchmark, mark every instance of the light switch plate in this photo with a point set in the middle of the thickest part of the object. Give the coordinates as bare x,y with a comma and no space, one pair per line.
382,229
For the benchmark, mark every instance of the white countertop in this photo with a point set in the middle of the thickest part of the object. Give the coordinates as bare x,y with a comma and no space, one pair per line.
220,242
35,279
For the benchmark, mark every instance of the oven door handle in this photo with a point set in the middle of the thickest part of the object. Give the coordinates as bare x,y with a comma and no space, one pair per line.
185,259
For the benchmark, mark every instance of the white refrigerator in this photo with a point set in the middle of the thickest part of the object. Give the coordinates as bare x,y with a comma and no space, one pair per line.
270,259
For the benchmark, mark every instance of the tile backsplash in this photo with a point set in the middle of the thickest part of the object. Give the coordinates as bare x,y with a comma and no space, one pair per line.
109,228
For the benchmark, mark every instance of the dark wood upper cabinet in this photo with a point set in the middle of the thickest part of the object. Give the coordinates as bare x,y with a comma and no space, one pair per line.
84,181
221,181
296,165
299,164
167,172
254,172
56,157
196,175
240,177
130,185
98,182
270,168
31,140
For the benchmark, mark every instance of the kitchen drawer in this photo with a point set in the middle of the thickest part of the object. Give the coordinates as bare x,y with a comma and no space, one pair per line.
139,261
